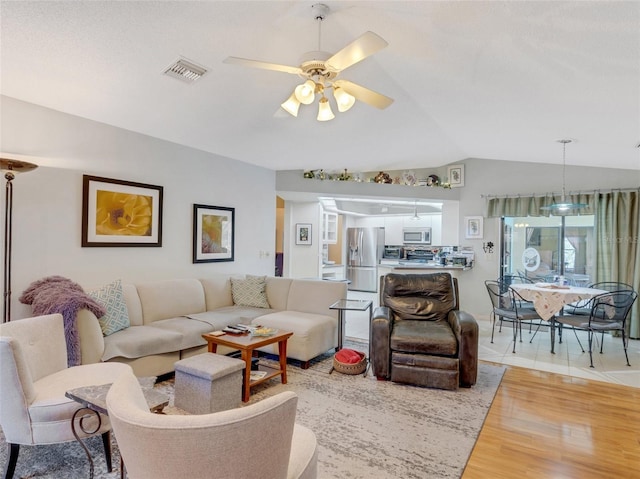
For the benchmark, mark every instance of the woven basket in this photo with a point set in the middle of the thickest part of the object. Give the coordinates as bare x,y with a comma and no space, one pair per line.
355,368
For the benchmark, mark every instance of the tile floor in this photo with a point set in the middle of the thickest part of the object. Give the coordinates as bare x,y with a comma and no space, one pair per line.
568,358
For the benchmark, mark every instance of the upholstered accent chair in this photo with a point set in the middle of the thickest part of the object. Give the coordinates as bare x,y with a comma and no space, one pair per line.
258,441
419,335
34,378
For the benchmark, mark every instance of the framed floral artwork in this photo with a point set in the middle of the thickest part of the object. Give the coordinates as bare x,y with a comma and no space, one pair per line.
473,227
455,173
213,233
303,233
120,213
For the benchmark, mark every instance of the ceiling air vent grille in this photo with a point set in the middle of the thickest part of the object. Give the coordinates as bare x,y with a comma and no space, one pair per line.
185,71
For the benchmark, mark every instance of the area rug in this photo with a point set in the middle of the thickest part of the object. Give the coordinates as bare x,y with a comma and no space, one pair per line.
365,428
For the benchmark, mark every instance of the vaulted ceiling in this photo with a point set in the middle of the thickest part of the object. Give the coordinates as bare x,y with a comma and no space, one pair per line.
469,79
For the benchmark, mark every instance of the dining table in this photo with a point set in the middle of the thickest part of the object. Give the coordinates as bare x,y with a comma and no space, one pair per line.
549,299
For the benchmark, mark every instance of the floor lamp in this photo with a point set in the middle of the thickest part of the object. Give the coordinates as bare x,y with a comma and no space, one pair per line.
10,168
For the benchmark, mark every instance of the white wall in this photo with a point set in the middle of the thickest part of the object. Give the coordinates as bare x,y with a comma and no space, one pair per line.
48,201
302,261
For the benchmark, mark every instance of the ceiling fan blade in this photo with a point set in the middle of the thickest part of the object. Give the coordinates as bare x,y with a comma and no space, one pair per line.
263,65
365,45
364,94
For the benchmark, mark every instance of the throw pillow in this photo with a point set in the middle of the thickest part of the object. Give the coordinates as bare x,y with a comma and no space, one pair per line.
250,291
111,297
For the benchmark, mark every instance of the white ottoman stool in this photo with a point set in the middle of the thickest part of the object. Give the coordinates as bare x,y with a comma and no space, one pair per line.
208,383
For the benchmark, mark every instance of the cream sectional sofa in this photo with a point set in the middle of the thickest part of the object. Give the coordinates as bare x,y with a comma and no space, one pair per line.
169,317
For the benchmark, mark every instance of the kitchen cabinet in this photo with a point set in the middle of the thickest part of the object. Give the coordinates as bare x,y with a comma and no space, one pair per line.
393,230
333,271
329,228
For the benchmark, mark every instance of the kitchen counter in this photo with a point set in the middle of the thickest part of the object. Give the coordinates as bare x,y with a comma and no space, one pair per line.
403,264
428,266
333,271
418,268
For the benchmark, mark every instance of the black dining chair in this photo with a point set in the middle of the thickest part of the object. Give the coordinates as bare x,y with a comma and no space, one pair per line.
507,305
584,307
608,312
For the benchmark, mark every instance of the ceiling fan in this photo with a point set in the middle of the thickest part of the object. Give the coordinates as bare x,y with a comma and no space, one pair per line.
320,71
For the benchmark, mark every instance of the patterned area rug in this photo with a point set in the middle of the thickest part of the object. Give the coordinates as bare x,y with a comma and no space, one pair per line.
365,428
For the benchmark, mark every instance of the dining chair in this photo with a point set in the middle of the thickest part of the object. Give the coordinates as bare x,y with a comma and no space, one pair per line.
608,312
584,307
507,305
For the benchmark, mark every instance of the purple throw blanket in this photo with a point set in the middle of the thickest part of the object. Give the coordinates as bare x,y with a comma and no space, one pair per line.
55,294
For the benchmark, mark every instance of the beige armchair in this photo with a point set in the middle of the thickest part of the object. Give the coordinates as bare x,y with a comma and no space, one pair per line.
33,380
259,441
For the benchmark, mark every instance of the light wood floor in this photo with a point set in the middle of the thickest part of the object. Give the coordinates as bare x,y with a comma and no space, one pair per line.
545,425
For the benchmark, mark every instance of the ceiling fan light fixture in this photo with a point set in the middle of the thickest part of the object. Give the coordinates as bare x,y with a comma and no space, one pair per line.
343,99
305,93
291,105
324,110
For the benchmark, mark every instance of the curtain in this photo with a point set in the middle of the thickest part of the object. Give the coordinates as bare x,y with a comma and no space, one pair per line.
531,205
618,245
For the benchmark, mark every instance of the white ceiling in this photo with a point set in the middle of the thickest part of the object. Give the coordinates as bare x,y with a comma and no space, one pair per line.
470,79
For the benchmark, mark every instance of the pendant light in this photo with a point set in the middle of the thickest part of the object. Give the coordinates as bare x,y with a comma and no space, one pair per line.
564,207
415,216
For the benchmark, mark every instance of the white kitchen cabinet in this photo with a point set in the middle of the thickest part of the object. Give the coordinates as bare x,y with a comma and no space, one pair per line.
393,230
329,228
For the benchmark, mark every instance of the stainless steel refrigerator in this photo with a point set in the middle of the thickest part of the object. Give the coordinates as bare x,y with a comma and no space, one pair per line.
365,247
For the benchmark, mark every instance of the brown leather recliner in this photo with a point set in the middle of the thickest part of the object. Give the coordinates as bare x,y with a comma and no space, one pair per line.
419,335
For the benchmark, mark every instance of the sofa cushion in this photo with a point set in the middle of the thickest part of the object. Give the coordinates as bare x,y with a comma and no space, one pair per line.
313,334
426,337
191,331
222,317
217,291
111,297
250,291
138,341
171,298
278,292
315,296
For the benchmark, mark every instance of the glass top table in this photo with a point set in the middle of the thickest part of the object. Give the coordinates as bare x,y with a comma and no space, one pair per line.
343,305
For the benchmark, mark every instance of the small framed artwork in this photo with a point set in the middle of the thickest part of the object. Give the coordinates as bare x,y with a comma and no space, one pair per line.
120,213
213,233
455,173
473,227
303,233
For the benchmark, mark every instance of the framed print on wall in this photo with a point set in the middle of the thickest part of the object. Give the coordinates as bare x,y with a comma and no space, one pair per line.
213,233
120,213
473,227
303,233
455,173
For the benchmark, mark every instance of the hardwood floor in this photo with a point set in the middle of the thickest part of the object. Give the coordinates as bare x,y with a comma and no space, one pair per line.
545,425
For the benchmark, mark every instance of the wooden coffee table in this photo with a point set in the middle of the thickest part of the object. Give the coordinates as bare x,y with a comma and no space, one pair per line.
247,344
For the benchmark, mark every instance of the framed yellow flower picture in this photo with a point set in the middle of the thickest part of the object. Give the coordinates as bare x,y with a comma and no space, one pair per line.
213,233
120,213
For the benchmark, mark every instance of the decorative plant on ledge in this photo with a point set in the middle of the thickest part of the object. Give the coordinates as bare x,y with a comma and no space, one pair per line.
408,178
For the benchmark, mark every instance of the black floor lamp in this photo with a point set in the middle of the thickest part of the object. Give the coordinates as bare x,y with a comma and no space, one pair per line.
10,168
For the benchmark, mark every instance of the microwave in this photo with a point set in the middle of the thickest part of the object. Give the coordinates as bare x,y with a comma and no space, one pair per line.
416,235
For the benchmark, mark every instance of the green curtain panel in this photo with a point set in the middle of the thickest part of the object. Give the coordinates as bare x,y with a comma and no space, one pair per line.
618,245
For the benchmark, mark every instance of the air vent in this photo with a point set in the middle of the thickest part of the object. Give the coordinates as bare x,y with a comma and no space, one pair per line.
185,71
